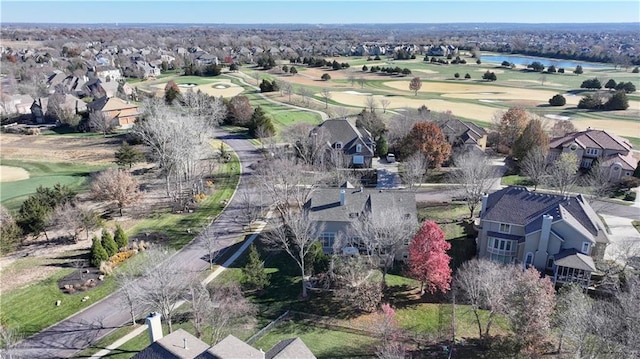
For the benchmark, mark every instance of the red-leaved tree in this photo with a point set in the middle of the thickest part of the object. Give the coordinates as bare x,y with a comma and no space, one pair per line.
428,259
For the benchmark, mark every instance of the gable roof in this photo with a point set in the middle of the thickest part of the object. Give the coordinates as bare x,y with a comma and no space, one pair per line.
468,132
173,346
517,205
293,348
341,130
592,139
627,162
231,348
110,104
324,205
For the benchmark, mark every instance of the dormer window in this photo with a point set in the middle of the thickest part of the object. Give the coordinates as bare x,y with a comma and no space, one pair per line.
338,145
592,151
358,148
505,228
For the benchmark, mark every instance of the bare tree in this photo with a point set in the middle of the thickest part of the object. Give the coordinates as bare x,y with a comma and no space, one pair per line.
371,103
116,185
229,308
357,284
287,89
201,306
296,237
208,109
309,142
534,166
401,124
415,84
384,235
257,77
415,168
100,122
598,182
476,175
385,104
69,218
562,173
209,243
573,318
130,290
326,95
303,92
476,281
351,79
361,81
286,184
163,284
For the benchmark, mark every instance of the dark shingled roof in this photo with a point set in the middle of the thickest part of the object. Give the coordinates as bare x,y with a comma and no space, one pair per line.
593,139
324,205
343,131
517,205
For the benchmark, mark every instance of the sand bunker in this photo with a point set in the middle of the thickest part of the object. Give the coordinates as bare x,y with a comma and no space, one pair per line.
557,117
187,85
12,174
357,93
488,101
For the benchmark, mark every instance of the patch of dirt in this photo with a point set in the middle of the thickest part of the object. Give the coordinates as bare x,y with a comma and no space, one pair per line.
53,148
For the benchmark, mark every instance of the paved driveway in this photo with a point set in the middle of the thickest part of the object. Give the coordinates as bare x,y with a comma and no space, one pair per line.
625,239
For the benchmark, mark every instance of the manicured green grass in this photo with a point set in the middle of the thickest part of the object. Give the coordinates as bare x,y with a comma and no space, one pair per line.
12,194
515,180
442,213
32,308
323,343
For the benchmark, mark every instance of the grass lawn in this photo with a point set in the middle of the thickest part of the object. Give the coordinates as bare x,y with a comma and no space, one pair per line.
442,213
12,194
40,297
515,180
32,308
323,343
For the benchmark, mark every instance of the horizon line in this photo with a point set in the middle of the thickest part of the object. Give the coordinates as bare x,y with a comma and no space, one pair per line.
307,23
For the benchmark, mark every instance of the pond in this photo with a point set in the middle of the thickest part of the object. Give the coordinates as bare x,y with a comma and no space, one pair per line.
526,60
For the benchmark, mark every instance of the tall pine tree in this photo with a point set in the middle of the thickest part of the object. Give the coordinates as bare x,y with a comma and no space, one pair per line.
120,237
108,243
254,275
98,254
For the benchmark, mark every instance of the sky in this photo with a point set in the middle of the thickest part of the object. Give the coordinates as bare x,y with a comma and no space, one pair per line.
319,12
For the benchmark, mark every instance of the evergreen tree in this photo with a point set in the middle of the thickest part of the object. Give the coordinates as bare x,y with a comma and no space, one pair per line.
98,253
636,172
618,101
382,148
108,243
578,70
127,155
254,274
259,119
611,84
120,237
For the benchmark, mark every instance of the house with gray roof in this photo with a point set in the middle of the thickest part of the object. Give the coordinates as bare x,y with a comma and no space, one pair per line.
355,143
336,209
610,151
464,135
182,345
557,234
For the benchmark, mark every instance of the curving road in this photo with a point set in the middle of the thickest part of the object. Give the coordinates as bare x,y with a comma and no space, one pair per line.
68,337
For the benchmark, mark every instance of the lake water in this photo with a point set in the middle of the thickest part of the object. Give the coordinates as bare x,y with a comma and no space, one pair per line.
526,60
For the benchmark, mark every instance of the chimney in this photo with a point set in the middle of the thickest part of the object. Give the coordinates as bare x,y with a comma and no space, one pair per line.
485,200
342,196
155,326
544,234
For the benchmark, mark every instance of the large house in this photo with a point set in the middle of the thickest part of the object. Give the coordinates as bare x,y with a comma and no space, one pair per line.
611,151
122,112
554,233
464,135
355,144
182,345
69,103
336,209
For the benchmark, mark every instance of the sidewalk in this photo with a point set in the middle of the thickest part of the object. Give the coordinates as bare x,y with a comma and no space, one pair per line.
118,343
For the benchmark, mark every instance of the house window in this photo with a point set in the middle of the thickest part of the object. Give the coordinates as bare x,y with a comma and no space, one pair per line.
505,228
358,160
586,246
327,239
338,145
358,148
592,151
528,260
502,250
586,163
550,262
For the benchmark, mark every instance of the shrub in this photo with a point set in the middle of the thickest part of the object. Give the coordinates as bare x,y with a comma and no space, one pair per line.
199,197
98,254
121,238
557,100
120,257
108,243
635,70
590,102
617,102
630,196
106,268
